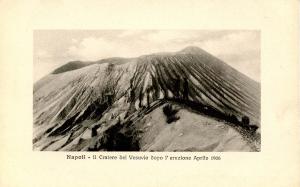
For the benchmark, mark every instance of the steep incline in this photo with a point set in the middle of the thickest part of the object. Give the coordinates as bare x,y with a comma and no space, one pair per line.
74,100
211,81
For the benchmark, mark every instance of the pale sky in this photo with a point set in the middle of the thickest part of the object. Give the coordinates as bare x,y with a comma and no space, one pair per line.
53,48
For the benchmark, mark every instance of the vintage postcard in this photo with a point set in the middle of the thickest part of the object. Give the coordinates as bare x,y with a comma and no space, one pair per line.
147,93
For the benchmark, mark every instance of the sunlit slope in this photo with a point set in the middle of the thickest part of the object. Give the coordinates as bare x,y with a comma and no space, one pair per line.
61,101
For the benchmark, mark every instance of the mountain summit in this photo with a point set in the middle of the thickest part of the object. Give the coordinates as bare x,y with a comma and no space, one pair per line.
192,50
184,101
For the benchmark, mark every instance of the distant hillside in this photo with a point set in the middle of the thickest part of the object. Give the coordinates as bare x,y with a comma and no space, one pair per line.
70,66
73,65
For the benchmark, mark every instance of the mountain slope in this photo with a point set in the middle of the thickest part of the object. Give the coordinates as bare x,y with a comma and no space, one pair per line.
75,102
80,64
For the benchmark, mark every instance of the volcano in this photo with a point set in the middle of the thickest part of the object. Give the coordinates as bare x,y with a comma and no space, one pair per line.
181,101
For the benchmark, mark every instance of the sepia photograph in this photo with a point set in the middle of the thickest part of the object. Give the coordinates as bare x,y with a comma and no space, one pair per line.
147,90
149,93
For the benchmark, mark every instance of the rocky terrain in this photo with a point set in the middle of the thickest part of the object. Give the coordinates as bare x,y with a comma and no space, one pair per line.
183,101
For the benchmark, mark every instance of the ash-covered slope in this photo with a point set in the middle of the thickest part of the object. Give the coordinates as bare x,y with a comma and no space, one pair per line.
91,106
